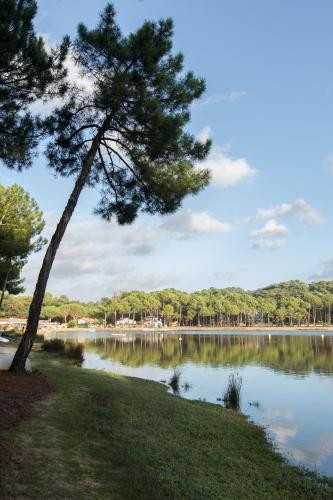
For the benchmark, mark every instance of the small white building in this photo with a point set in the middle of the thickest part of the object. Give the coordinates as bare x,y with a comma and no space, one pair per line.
86,321
153,322
126,322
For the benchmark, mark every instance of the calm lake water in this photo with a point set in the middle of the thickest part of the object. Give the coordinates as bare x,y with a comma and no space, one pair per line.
287,378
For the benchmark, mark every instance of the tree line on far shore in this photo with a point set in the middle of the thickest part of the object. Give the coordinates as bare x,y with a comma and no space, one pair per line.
291,303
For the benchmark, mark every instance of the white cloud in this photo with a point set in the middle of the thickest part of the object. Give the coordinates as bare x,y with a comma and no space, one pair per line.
139,241
229,98
186,222
225,170
73,73
207,101
270,228
325,272
307,213
205,134
73,76
233,96
97,257
269,244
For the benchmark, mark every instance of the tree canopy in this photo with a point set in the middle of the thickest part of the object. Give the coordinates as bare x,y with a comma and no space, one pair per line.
134,112
28,71
21,224
10,277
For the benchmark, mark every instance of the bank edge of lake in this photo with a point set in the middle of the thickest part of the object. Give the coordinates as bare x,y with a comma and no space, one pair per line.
101,435
199,329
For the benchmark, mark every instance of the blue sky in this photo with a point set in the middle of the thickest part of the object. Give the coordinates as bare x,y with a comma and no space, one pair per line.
269,109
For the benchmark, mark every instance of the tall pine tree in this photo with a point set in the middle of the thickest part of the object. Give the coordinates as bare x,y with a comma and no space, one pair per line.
123,133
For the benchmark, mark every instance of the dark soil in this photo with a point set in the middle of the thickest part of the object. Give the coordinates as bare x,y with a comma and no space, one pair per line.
17,394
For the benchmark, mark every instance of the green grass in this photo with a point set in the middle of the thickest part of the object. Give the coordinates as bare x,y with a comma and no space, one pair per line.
102,436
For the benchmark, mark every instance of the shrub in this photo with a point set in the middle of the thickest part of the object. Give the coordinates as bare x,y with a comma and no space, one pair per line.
71,323
232,394
75,351
54,345
174,380
70,350
39,338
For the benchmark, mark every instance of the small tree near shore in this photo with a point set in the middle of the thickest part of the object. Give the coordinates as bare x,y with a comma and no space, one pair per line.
10,277
21,224
123,132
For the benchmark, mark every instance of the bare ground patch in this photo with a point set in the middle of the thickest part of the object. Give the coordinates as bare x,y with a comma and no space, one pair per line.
18,393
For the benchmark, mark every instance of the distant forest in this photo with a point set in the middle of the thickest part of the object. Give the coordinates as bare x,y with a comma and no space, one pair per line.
285,304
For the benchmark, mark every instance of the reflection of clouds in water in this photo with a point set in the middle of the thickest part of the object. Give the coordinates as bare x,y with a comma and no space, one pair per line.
283,430
322,447
282,426
281,423
278,412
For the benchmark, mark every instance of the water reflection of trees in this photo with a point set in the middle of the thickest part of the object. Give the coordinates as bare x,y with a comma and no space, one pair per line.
300,355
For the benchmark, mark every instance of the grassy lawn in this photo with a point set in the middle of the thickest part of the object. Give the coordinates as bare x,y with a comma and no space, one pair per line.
101,436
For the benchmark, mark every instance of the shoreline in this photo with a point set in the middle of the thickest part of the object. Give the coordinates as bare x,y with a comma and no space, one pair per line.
203,451
197,329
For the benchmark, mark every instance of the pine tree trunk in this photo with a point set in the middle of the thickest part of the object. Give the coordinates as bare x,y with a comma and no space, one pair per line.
4,287
329,314
24,348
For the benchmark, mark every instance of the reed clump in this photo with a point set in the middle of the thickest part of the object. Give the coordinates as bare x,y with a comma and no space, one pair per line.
175,379
54,345
75,352
232,395
69,350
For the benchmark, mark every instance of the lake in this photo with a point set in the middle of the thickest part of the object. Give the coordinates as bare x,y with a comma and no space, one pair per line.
287,377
